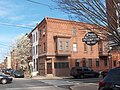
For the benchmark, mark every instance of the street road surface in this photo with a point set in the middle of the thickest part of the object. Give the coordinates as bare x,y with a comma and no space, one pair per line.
62,84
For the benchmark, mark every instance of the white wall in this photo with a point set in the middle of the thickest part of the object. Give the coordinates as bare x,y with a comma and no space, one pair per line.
35,43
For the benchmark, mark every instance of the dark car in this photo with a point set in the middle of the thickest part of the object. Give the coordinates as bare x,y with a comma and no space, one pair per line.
7,71
82,72
17,74
111,80
104,73
5,79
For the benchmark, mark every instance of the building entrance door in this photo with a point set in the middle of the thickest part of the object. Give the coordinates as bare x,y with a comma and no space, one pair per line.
49,68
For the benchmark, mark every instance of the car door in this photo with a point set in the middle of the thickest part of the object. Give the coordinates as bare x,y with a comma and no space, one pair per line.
88,72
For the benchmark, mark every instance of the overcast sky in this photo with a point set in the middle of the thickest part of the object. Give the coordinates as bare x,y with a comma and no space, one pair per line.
15,14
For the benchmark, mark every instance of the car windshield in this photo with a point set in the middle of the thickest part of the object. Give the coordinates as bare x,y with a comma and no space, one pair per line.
19,71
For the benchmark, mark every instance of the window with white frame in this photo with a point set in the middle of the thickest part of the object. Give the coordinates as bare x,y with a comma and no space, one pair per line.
74,47
67,47
60,45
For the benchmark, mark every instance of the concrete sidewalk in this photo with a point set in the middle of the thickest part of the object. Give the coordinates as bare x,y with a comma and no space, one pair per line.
49,77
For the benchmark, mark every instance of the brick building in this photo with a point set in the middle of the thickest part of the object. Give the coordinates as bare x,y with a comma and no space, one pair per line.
57,46
113,11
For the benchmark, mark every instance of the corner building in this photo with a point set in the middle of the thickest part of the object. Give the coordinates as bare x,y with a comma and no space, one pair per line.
59,47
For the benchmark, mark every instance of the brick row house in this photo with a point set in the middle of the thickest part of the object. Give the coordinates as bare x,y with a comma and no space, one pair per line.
113,10
57,47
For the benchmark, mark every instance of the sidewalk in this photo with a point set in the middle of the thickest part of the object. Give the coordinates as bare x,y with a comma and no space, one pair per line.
46,77
49,77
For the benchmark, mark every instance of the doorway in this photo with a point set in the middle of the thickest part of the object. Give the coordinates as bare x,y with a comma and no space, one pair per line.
49,68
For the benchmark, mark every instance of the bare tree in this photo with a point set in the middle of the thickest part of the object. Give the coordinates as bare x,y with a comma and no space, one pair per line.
94,12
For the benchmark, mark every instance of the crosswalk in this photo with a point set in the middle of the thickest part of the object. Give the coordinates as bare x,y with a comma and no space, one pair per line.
64,82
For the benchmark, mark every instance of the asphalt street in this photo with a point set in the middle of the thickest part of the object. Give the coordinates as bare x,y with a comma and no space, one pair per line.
55,84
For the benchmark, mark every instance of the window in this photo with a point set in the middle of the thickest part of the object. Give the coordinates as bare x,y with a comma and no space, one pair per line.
91,48
67,45
86,69
85,47
44,30
36,49
89,62
80,69
97,62
114,63
33,50
36,36
61,45
33,38
74,30
74,47
34,63
77,62
105,62
61,65
44,48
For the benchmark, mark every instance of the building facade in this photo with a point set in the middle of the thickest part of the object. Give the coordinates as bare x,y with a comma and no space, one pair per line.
113,11
59,47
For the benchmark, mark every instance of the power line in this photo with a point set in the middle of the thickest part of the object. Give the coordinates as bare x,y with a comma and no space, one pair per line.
21,26
4,45
40,3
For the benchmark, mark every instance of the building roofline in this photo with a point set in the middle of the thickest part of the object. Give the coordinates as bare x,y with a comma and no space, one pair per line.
58,19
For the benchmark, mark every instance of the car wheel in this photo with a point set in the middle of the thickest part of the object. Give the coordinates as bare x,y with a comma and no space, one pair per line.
3,81
81,76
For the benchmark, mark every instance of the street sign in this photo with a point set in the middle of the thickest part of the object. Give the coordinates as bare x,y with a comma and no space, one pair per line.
90,38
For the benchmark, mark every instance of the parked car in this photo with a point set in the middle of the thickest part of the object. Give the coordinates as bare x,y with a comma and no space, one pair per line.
111,80
5,79
7,71
104,73
17,74
82,72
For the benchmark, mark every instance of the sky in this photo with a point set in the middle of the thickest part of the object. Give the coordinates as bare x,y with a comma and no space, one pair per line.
19,17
